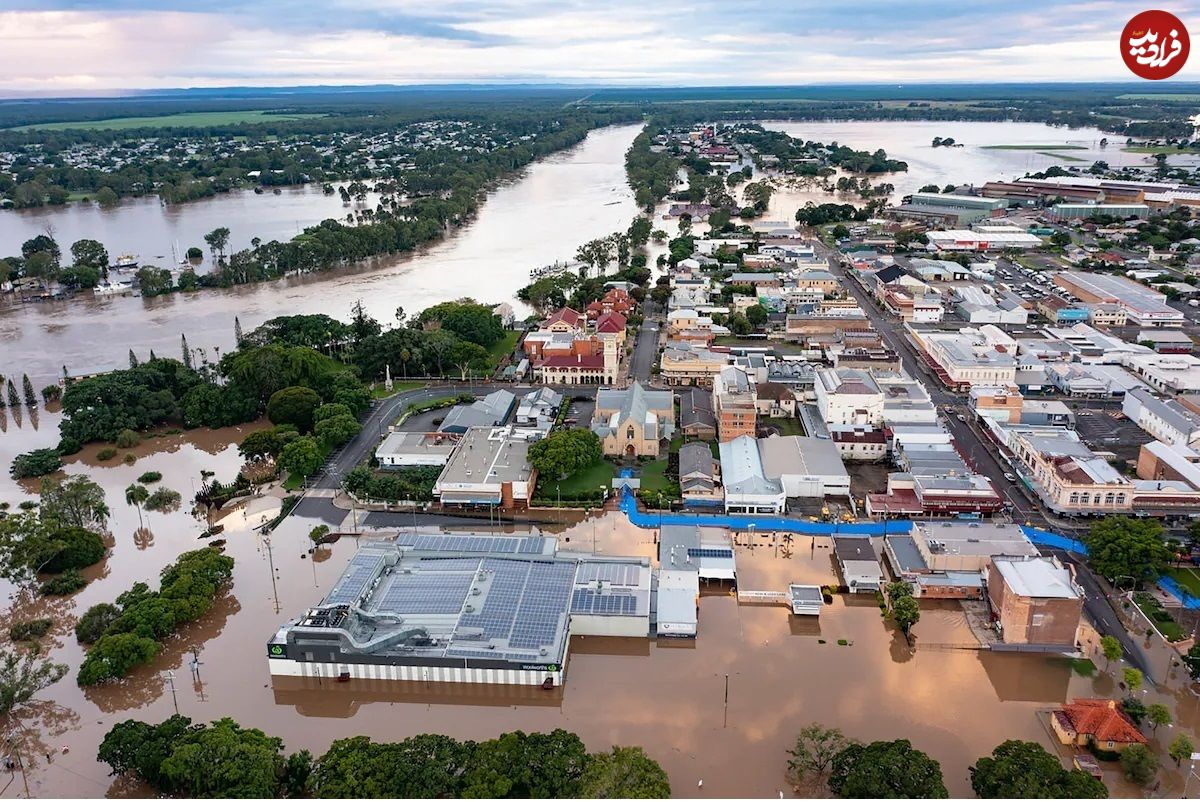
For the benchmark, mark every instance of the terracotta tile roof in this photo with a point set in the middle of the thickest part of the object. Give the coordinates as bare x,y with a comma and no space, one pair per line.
1100,719
566,315
611,322
593,362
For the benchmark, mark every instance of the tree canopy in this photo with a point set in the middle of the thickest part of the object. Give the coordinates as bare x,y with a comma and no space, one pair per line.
1127,547
886,770
565,451
1023,769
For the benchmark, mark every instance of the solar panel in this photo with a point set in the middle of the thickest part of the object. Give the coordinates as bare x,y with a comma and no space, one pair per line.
438,593
593,603
542,605
473,543
358,575
710,552
612,573
449,563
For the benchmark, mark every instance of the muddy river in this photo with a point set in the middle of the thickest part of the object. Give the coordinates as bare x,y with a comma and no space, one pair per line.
541,216
538,217
784,673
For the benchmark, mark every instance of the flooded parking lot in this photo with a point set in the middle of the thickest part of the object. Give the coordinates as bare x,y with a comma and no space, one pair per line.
783,672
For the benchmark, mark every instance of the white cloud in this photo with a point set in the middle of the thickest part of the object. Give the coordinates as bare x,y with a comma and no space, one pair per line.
669,42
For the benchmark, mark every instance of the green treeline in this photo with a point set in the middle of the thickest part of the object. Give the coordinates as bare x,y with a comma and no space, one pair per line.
178,758
128,633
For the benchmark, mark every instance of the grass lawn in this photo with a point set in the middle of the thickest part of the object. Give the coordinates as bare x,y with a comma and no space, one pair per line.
504,347
1169,627
1060,156
786,426
590,478
1034,147
654,477
189,119
397,387
1188,578
1156,149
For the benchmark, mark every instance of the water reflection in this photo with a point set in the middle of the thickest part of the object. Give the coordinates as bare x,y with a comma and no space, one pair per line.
327,698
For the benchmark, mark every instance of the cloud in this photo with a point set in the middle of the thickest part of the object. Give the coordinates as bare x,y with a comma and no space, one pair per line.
129,44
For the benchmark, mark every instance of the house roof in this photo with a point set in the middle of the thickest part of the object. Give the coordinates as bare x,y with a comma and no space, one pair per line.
566,315
1101,719
615,407
589,362
695,409
610,322
696,458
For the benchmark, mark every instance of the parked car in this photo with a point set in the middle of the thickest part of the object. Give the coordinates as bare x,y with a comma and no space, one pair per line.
1009,477
962,417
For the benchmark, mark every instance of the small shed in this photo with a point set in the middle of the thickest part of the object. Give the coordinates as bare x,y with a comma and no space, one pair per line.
806,599
858,563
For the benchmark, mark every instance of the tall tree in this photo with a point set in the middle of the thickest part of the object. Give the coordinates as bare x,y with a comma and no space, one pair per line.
1110,647
1023,769
814,751
133,360
218,240
76,501
22,677
237,330
886,770
624,773
135,496
187,352
1120,547
27,389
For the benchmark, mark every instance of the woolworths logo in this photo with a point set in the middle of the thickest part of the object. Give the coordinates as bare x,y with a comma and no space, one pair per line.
276,650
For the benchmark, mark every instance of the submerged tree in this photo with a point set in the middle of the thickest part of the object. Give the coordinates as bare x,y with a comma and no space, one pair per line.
23,677
27,390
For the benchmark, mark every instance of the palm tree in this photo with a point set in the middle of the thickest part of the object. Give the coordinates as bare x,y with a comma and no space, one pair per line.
135,496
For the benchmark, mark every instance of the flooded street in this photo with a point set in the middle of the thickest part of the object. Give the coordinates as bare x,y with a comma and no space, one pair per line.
784,672
554,206
848,669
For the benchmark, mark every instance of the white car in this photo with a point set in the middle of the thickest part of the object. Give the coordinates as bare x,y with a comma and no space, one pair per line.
962,417
1009,477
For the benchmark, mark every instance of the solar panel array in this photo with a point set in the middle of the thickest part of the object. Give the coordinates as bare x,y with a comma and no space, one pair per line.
593,603
357,577
710,552
543,605
473,543
448,563
500,604
440,593
612,573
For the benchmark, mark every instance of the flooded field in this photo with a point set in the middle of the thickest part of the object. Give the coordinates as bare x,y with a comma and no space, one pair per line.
978,160
783,673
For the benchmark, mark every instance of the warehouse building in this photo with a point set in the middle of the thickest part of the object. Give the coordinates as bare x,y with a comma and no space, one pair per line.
463,608
1083,211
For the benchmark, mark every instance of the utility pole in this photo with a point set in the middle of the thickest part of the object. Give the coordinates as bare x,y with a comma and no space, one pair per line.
271,563
174,698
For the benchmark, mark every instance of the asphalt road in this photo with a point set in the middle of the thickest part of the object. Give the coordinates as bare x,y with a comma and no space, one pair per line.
375,424
645,350
1100,610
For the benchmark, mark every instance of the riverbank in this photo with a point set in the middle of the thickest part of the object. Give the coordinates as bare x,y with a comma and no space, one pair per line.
532,219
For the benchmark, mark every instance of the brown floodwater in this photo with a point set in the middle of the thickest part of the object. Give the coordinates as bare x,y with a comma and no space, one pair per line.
955,703
542,215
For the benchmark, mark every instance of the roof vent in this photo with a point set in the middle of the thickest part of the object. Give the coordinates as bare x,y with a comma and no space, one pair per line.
470,608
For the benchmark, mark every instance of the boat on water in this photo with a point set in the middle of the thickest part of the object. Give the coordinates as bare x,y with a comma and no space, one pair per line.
555,269
112,288
125,261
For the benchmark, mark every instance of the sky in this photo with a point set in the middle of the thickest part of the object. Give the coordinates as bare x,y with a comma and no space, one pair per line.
84,46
